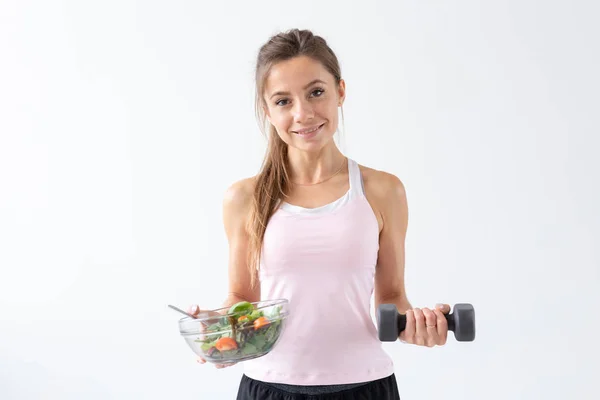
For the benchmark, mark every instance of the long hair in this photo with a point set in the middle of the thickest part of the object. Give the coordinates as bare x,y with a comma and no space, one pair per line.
272,182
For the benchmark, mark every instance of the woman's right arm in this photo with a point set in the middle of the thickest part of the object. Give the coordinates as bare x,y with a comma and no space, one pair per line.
236,210
237,205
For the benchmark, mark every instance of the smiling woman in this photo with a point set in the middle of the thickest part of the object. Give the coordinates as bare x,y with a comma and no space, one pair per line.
322,231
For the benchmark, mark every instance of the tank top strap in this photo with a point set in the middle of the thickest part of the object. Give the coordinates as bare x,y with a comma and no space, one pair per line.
355,177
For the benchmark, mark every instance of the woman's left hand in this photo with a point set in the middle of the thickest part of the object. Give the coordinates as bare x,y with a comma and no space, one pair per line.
426,327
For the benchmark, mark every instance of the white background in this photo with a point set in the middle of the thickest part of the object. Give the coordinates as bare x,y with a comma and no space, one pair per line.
122,123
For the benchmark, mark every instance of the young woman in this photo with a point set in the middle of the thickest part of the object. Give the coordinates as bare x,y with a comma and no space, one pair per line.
322,231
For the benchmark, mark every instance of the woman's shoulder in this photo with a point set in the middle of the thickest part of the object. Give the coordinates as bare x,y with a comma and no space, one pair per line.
382,184
239,195
385,193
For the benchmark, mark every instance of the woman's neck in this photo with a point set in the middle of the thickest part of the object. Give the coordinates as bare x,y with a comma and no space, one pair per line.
307,168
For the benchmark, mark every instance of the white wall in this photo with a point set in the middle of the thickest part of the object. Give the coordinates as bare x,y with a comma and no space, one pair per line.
122,123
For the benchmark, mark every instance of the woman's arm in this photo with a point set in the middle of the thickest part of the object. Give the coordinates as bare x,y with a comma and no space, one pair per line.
391,204
236,210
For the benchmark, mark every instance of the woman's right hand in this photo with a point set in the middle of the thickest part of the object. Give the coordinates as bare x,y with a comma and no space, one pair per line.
195,311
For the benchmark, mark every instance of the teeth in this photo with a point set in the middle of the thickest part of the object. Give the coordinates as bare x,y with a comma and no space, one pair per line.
303,133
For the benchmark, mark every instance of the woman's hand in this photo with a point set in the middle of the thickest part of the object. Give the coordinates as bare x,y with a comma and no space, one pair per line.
425,327
195,311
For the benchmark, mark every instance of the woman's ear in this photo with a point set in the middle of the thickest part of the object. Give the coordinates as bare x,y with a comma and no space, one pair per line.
267,114
341,92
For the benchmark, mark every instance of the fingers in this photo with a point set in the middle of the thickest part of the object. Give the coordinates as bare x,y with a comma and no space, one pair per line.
442,323
201,360
416,330
420,329
219,366
444,308
194,310
432,338
197,312
426,327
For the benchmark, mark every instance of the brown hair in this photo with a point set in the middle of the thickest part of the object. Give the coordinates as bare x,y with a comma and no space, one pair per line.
272,182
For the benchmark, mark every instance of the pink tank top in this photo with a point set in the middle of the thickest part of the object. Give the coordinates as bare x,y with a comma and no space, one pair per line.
323,261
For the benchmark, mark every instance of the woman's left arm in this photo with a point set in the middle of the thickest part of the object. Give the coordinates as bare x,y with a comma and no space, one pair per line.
389,273
424,327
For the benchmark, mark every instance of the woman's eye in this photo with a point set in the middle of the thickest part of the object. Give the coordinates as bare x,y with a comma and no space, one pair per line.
319,91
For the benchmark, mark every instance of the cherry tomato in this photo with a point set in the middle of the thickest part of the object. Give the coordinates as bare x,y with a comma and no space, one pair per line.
226,343
260,322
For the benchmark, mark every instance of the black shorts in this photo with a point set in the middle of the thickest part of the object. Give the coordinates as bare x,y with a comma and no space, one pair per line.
380,389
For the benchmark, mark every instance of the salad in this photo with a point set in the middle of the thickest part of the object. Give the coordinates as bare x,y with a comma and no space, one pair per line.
244,333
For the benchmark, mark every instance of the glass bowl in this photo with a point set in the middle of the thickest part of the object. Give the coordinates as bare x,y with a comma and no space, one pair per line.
238,333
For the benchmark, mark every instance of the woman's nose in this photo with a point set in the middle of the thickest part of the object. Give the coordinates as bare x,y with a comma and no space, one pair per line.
303,111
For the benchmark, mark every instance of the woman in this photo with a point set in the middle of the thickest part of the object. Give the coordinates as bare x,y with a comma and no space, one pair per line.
322,231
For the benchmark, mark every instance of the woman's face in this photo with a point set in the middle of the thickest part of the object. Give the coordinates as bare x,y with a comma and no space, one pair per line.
302,95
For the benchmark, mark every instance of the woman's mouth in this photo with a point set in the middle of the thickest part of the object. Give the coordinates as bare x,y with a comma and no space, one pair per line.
306,134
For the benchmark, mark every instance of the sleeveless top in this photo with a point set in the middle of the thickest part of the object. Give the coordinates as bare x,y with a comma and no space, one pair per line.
323,261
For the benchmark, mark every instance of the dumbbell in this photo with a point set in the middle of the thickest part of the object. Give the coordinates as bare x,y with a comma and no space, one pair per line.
390,322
